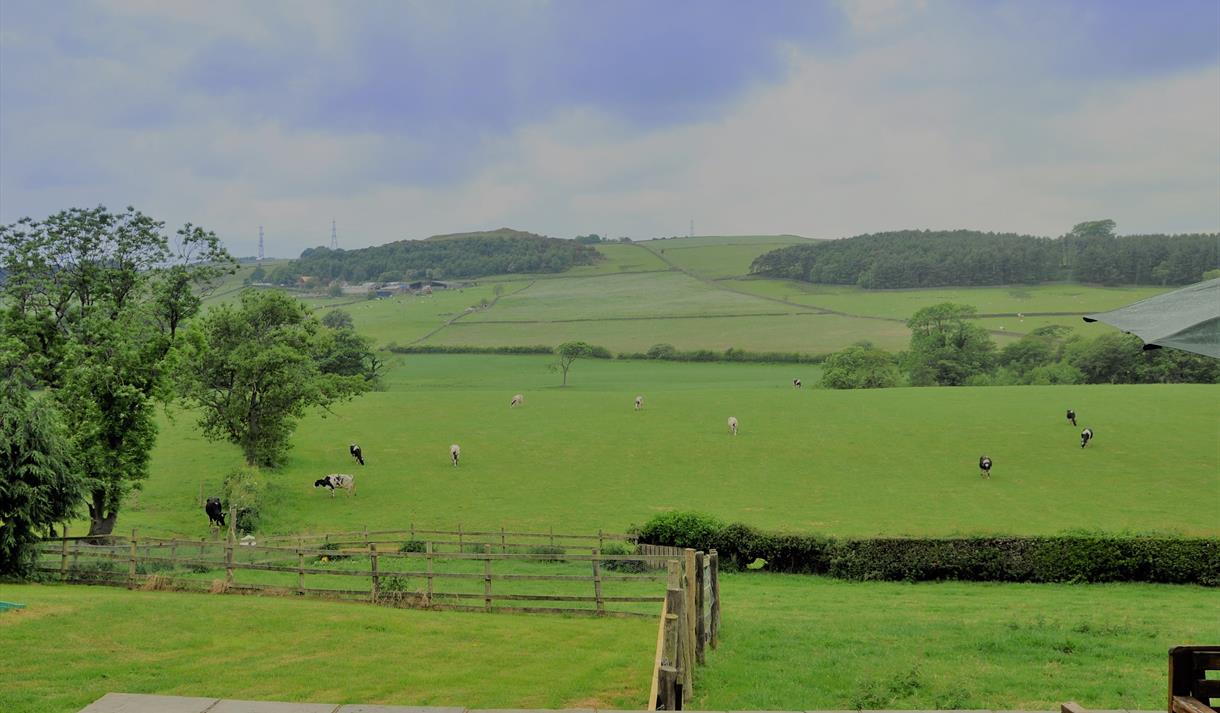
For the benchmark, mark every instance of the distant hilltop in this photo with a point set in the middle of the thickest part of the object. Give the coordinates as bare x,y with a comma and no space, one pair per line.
497,233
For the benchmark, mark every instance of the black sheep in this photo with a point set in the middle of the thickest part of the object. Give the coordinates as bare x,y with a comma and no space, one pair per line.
216,515
355,451
1072,416
985,467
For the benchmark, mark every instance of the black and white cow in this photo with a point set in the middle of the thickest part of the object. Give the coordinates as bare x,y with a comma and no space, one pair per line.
1085,436
796,383
355,451
455,452
1072,416
985,467
337,480
216,515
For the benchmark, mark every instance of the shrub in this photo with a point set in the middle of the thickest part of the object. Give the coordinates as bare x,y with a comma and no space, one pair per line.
331,547
460,349
681,528
627,566
413,546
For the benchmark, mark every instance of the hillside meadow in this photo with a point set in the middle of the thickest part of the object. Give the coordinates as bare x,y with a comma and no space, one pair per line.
880,462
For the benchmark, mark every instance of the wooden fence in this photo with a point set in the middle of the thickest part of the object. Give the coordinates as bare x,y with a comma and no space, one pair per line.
690,623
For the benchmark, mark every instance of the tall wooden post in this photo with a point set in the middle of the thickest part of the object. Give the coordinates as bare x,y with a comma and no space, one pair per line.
428,555
231,536
688,561
715,610
300,568
460,547
597,583
376,579
601,545
700,632
63,555
487,577
503,542
552,531
131,562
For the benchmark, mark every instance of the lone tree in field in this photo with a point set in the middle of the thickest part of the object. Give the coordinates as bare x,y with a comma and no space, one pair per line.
947,347
568,353
94,302
39,487
256,367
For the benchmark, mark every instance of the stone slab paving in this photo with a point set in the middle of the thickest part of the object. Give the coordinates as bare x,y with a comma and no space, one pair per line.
140,703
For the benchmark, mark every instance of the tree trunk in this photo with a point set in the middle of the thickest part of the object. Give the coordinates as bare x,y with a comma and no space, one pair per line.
100,521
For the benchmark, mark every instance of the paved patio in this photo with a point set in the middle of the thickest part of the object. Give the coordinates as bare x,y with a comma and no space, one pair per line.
137,703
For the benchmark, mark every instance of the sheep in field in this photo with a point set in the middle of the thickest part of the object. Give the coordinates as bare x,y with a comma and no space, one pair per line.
216,516
337,480
356,453
985,467
733,425
796,383
1085,436
455,452
1072,416
517,401
639,403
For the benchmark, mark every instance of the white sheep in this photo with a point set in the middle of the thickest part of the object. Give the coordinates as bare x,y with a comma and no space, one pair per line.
455,452
517,401
733,425
639,403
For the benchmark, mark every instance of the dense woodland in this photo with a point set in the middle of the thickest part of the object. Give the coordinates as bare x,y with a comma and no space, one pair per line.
462,255
1090,253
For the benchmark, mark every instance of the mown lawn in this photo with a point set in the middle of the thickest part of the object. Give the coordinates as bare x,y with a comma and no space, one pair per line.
880,462
73,644
799,643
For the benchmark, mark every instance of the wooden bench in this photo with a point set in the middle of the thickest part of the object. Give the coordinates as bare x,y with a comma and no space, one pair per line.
1190,690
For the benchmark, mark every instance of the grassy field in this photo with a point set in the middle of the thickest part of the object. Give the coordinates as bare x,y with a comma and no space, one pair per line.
896,461
72,644
798,643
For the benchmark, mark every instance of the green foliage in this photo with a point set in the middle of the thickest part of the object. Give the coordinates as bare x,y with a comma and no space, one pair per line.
624,566
860,367
1091,252
338,319
569,352
946,348
39,487
467,255
459,349
1056,558
96,300
243,490
255,368
667,352
680,528
413,546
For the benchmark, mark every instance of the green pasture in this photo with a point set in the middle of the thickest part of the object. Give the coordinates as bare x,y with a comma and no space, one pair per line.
715,240
715,260
881,462
792,642
72,644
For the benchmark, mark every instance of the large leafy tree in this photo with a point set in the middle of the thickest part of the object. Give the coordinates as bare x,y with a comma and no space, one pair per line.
860,367
39,486
947,347
255,368
94,301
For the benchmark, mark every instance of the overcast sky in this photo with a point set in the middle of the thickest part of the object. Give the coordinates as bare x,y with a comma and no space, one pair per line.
632,117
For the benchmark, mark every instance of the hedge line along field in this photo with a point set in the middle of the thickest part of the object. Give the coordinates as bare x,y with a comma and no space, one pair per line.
72,644
852,463
792,642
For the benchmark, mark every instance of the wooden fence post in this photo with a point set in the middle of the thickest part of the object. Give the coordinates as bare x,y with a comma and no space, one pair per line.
600,544
300,566
597,583
232,534
376,579
677,602
668,680
131,563
428,555
700,632
412,530
688,561
487,577
552,531
199,501
63,556
503,542
715,610
460,545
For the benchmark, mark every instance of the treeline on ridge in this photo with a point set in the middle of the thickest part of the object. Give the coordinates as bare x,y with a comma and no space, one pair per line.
462,255
1090,253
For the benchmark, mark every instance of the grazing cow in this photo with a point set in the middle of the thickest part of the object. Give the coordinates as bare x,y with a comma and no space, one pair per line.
796,383
517,401
455,452
337,480
1072,416
639,403
355,451
1085,436
216,516
985,467
733,425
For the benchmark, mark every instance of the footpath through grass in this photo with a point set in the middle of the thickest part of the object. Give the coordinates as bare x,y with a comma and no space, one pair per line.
72,644
795,642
